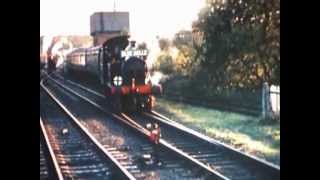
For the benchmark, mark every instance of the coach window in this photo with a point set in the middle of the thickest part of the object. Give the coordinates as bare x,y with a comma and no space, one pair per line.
82,59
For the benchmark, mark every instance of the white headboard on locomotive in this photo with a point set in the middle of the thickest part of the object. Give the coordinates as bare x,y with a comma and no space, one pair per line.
137,53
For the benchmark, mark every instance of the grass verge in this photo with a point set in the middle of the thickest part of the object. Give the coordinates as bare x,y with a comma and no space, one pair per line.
243,132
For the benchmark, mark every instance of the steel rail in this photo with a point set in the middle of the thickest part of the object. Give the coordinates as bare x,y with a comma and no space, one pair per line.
54,168
124,172
130,123
166,120
80,86
272,168
125,119
260,162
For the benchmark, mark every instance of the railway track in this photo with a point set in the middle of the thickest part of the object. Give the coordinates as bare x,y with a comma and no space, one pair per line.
223,159
172,165
49,167
78,155
43,165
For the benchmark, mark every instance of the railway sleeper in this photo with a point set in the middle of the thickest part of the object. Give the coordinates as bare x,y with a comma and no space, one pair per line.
79,159
67,142
234,173
78,162
238,176
185,144
202,151
86,154
43,168
138,175
85,171
172,165
80,151
125,163
93,166
199,156
43,174
130,167
71,148
115,152
120,156
222,163
42,161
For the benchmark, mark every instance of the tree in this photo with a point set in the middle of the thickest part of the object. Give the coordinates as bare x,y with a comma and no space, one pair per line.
164,44
241,46
165,63
182,38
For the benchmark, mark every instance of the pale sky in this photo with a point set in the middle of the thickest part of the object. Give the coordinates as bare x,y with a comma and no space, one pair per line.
148,18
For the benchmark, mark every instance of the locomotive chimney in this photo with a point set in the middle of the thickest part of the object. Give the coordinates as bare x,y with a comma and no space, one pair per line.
133,44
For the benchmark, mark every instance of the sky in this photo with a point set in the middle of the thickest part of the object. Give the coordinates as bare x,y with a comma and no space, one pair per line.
148,18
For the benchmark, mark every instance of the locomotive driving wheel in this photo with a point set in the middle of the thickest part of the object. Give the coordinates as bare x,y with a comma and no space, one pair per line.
149,104
145,104
117,105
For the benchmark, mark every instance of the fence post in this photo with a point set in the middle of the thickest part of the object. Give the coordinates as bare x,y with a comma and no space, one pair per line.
266,106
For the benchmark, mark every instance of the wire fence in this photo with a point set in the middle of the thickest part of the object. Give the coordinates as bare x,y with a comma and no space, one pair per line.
265,103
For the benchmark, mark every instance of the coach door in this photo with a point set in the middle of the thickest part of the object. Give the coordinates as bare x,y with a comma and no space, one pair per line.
101,68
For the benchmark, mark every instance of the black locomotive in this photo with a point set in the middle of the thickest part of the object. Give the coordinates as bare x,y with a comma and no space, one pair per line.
121,70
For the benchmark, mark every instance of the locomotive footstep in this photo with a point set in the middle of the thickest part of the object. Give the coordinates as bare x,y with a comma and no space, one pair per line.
65,131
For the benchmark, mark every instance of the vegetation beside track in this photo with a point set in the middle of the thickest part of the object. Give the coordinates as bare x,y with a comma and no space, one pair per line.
243,132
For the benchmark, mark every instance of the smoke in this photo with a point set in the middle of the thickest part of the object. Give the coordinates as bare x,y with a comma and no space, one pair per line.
157,77
173,51
59,47
154,51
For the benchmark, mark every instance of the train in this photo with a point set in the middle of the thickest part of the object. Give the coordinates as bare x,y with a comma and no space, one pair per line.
122,71
51,63
42,62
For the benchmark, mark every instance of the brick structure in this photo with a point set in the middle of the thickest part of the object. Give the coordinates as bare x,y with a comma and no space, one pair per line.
105,25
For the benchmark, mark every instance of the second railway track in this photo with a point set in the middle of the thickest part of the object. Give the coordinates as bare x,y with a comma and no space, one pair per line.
226,160
128,147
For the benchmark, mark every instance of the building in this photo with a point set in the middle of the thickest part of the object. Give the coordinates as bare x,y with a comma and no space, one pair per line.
80,41
197,34
183,37
41,44
105,25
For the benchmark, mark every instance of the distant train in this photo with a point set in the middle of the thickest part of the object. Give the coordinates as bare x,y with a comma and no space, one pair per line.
49,63
42,62
52,63
121,69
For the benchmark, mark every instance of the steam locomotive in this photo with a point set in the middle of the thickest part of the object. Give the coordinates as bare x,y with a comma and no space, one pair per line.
122,71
